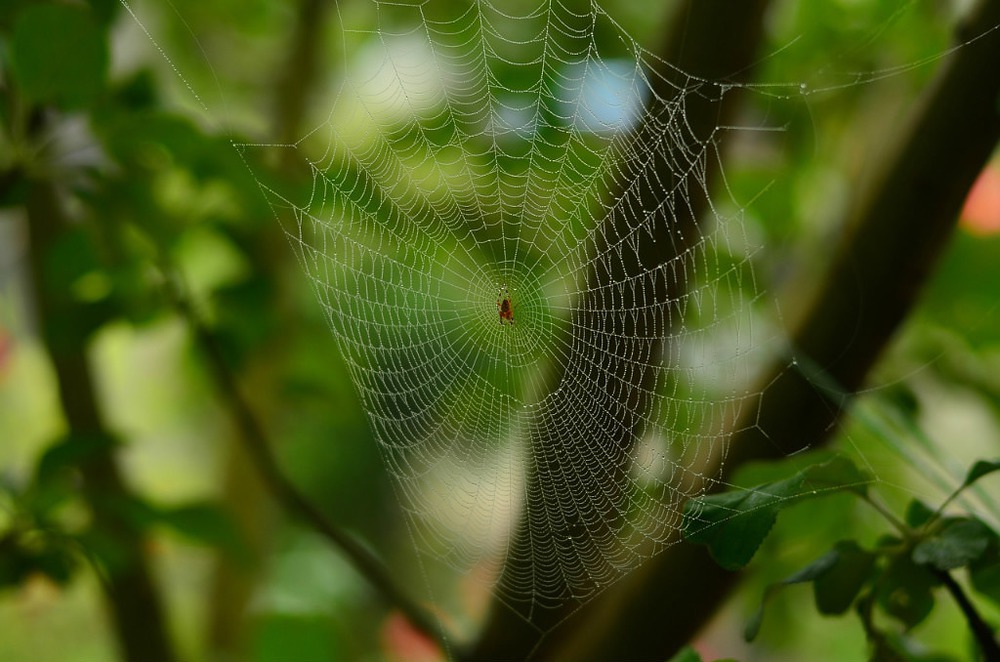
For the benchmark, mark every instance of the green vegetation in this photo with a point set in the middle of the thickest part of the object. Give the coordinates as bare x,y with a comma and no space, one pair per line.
187,471
897,576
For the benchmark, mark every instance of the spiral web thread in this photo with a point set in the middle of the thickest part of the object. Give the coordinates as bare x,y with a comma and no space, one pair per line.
483,155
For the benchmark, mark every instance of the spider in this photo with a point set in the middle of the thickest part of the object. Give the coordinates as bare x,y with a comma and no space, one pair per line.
505,306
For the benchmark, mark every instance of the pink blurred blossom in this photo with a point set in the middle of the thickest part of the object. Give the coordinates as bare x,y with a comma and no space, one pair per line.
403,643
981,213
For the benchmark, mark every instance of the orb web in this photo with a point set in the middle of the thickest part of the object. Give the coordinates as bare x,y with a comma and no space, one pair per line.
542,158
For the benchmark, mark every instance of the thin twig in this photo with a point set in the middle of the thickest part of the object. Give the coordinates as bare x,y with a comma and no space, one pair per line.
903,529
285,493
980,629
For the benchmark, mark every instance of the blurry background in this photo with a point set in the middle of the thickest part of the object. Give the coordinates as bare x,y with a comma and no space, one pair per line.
141,158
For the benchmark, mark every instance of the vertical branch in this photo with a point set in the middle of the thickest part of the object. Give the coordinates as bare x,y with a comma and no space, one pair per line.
981,630
131,594
295,79
899,231
648,181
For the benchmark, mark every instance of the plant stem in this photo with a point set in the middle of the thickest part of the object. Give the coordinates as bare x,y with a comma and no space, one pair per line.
297,79
293,84
130,591
888,515
980,629
285,493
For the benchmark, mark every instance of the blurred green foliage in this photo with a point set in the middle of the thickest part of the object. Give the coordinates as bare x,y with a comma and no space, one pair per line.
152,194
155,188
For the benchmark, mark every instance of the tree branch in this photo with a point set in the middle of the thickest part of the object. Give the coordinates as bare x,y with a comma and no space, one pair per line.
293,83
646,182
258,447
130,591
297,78
980,629
900,230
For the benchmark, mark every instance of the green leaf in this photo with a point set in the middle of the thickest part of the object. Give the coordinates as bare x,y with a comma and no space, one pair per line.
57,563
69,452
686,654
836,589
964,286
957,544
105,10
251,298
904,591
136,512
731,528
734,524
282,637
888,543
137,92
918,513
980,469
58,55
29,552
72,256
809,573
984,574
104,549
204,522
15,566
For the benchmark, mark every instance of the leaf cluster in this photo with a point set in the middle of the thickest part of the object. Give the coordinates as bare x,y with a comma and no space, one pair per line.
897,578
145,189
54,523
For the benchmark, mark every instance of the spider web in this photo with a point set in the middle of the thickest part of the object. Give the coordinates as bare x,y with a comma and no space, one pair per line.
478,152
542,155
